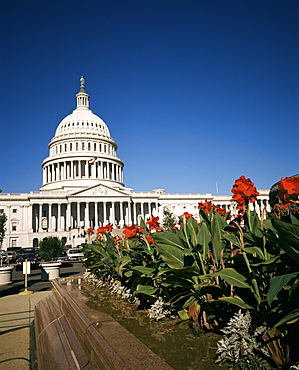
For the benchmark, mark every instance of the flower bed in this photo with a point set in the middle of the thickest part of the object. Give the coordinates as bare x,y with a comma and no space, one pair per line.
207,269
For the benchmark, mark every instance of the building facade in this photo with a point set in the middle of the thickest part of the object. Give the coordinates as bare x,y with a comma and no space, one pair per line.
83,186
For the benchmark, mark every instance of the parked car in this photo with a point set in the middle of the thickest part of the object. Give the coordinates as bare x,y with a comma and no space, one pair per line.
31,257
63,258
11,256
75,254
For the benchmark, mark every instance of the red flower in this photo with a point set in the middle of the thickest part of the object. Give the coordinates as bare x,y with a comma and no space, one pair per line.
244,192
187,215
221,211
289,189
131,231
205,207
105,229
150,240
153,223
90,231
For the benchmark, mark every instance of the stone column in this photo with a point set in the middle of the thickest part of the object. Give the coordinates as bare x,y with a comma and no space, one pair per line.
112,215
86,218
134,213
59,217
96,217
68,216
121,214
40,214
50,226
78,214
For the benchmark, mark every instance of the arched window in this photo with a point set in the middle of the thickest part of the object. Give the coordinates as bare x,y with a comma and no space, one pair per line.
95,147
88,146
83,145
77,146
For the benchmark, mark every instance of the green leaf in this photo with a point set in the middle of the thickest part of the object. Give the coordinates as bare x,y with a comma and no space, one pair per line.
146,289
255,250
290,318
172,256
276,284
183,314
288,232
232,277
168,238
204,238
237,301
233,239
217,226
144,270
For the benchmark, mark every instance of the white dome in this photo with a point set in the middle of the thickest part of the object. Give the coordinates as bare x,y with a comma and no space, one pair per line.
82,120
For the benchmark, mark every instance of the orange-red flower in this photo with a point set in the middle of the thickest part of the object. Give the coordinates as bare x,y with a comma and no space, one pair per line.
90,231
244,192
205,207
150,240
221,211
153,223
131,231
186,215
289,190
105,229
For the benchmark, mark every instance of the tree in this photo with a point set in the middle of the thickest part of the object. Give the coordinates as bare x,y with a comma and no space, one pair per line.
3,220
50,248
169,219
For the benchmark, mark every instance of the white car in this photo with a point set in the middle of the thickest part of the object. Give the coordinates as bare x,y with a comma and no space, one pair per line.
75,254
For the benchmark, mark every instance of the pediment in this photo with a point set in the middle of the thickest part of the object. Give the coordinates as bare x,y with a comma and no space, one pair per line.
99,191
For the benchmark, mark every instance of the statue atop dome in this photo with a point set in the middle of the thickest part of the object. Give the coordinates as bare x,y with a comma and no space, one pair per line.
82,84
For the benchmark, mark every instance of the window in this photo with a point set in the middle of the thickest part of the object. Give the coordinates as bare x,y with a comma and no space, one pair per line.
88,146
65,147
1,211
95,147
77,146
71,147
83,146
13,243
14,226
14,210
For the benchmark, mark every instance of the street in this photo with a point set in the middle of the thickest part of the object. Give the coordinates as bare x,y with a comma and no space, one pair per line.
35,284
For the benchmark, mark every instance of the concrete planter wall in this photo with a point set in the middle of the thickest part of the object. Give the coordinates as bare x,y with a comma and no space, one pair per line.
6,275
71,335
50,270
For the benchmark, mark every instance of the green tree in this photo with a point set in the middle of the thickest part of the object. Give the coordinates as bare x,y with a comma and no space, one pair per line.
50,248
169,219
3,220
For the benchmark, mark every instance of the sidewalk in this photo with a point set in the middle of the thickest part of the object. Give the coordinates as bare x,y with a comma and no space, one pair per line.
16,316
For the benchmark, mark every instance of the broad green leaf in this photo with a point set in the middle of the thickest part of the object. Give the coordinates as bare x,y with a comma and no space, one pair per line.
294,220
232,277
204,238
146,289
280,242
217,226
168,238
288,232
255,250
171,255
237,301
232,238
144,270
276,284
183,314
290,318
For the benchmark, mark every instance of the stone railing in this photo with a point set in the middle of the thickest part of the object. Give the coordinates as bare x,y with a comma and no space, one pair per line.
71,335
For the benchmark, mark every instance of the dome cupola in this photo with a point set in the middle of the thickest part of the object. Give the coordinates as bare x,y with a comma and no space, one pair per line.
82,152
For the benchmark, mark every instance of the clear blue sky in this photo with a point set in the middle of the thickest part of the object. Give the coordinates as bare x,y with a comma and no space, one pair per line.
194,92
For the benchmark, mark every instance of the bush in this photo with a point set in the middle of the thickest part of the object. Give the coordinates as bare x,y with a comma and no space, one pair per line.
50,248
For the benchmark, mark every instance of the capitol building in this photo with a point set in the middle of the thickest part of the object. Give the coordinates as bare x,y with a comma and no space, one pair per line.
83,186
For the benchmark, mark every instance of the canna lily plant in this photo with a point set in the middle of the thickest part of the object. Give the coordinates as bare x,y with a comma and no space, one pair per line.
208,270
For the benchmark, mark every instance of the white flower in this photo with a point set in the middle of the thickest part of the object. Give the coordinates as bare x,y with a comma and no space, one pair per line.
158,310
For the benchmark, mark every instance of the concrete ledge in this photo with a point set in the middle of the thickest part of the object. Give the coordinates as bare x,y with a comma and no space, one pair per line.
71,335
